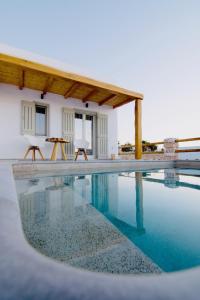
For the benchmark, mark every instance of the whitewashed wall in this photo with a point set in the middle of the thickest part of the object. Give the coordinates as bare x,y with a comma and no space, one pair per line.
13,144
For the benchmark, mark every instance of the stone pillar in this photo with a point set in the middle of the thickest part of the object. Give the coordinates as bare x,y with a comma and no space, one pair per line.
170,146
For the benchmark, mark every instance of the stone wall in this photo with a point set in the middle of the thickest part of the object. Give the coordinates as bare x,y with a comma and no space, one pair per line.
150,156
169,153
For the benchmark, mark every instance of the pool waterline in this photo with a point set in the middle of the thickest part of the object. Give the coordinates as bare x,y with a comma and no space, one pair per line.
123,205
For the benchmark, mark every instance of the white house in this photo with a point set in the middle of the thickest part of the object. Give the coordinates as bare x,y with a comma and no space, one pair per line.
39,97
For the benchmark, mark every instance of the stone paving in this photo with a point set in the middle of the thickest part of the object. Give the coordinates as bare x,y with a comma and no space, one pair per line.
80,236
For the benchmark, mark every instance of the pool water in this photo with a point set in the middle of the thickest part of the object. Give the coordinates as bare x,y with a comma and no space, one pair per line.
125,222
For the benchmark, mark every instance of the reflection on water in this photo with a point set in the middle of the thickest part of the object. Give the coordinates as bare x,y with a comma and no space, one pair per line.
159,211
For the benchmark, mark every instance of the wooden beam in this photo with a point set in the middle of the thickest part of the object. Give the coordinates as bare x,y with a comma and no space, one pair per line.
138,129
108,98
177,141
130,99
71,90
89,95
187,150
22,79
188,139
48,84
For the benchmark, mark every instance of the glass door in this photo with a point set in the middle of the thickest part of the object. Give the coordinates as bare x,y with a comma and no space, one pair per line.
78,135
84,130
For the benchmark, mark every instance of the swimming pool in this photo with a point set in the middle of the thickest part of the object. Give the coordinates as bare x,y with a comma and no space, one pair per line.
122,222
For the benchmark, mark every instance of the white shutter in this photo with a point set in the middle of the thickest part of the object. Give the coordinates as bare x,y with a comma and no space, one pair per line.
102,136
68,130
28,118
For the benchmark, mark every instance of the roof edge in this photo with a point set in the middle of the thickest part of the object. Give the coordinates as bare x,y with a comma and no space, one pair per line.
29,64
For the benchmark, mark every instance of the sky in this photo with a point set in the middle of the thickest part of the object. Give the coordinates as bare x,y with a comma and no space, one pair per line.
152,47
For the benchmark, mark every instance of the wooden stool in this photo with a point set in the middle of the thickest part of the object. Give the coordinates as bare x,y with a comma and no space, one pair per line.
84,153
33,149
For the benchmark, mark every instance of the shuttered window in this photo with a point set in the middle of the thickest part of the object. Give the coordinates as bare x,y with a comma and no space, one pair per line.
102,136
28,118
34,119
68,130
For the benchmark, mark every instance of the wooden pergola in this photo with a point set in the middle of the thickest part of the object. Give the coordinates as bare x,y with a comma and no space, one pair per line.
28,74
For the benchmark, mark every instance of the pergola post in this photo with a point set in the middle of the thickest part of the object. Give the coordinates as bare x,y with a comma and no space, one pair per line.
138,129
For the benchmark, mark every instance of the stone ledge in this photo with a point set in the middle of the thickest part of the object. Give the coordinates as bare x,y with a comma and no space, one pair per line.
188,164
22,169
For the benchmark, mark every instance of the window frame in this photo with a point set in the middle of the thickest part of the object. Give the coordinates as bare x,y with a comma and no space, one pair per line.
41,104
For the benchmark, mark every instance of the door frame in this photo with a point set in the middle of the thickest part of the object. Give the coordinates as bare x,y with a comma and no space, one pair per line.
94,133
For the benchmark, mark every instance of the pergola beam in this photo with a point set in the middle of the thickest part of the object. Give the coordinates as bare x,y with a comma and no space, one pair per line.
48,84
22,79
71,90
138,129
89,95
108,98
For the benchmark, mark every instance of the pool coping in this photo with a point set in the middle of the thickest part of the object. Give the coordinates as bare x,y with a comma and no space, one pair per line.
72,167
26,274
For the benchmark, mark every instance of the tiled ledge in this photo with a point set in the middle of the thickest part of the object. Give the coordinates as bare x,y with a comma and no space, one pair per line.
26,274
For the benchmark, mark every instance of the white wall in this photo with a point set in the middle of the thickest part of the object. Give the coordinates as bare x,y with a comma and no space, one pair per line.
13,144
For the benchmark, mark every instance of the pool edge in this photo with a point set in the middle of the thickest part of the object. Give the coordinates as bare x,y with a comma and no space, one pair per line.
41,277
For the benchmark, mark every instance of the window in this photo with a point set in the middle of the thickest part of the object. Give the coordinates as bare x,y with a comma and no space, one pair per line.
40,120
34,118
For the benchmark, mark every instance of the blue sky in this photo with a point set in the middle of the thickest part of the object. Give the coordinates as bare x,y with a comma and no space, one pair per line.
152,47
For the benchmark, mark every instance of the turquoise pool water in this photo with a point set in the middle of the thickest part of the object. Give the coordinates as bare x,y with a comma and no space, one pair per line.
94,221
